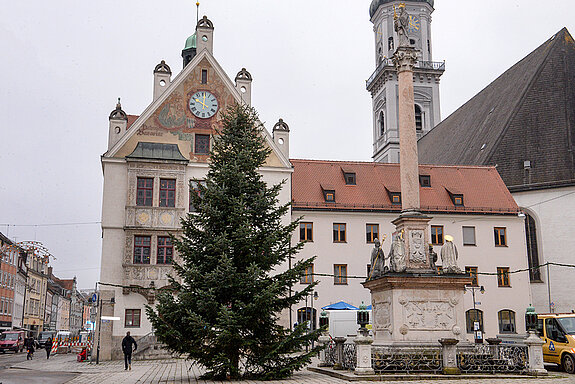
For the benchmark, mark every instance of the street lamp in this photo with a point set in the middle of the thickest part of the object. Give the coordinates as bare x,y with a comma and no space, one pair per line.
530,319
324,320
362,318
477,331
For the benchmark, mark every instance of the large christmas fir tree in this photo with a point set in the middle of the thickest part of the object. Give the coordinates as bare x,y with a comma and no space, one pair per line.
233,280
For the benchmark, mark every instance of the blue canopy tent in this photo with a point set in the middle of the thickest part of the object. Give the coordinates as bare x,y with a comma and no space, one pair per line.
342,305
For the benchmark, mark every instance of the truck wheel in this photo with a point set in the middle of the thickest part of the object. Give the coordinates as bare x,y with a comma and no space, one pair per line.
568,363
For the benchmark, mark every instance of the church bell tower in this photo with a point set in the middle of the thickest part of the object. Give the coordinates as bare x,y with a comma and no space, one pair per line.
383,83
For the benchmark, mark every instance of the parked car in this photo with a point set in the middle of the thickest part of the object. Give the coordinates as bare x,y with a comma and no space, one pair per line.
12,341
558,333
44,336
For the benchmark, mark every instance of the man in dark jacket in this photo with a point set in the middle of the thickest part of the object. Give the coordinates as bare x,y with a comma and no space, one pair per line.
127,343
30,344
48,347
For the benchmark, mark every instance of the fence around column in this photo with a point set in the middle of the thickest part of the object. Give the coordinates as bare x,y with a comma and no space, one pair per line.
478,358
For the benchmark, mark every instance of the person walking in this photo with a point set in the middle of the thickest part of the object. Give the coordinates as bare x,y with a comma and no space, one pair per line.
48,347
127,343
30,347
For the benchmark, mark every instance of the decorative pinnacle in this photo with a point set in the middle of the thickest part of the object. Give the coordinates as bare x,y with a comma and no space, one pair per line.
119,105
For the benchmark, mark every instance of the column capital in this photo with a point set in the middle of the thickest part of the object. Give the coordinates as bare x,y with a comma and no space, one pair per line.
404,59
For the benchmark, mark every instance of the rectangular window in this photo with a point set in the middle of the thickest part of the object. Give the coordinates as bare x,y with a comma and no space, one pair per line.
396,198
195,189
472,271
165,250
339,233
437,234
132,318
142,246
371,232
468,235
458,200
425,181
307,277
349,178
503,277
145,191
500,237
305,231
204,76
329,196
167,193
340,274
202,144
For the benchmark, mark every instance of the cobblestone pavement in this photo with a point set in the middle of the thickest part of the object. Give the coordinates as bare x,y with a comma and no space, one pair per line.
181,371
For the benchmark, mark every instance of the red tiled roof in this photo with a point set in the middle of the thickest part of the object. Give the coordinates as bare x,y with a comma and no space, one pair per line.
482,188
131,120
66,283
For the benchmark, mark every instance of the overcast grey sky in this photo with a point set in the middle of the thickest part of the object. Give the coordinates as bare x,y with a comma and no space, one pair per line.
65,62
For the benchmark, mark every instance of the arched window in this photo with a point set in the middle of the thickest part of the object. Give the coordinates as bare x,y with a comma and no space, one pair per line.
506,319
381,123
472,316
418,119
307,314
532,250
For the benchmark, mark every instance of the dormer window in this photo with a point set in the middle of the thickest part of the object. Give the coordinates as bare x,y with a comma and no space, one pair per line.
456,196
348,175
329,196
394,197
457,200
425,181
349,178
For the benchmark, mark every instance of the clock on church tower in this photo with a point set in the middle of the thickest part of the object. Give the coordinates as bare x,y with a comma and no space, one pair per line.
383,82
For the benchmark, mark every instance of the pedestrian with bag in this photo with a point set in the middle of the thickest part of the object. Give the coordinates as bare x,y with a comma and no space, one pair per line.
48,347
127,343
30,344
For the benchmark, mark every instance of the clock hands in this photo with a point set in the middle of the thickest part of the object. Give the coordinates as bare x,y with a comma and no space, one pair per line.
202,102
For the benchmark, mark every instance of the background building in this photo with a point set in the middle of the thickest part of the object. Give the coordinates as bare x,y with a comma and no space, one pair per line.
347,205
8,271
383,83
524,124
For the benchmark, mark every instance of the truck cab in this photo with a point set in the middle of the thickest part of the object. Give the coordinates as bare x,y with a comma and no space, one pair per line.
558,333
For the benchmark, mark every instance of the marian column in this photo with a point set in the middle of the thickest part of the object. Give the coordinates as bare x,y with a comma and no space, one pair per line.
413,304
411,225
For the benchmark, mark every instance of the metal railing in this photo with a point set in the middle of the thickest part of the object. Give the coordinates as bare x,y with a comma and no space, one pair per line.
146,342
388,63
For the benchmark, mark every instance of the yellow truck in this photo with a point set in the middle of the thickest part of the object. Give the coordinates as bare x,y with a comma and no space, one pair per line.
558,332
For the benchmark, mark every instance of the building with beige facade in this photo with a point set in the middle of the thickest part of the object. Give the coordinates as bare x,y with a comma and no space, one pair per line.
149,170
36,288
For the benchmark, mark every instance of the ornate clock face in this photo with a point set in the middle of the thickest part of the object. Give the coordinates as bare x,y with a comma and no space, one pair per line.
203,104
414,23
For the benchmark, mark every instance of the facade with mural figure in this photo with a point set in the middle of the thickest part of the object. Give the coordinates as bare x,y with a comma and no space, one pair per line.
151,166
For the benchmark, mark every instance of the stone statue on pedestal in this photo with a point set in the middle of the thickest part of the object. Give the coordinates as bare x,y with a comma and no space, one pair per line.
449,256
377,260
397,254
401,25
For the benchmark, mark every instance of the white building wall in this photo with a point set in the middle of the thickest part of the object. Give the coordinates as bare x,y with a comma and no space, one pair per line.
114,234
18,300
356,253
552,210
